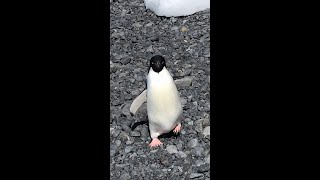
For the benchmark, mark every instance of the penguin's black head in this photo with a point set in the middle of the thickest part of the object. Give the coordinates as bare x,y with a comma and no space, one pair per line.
157,63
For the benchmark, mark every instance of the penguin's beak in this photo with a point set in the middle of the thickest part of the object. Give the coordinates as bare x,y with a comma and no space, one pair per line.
158,64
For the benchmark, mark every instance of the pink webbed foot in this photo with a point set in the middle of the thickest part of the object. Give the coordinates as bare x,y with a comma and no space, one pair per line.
155,142
177,129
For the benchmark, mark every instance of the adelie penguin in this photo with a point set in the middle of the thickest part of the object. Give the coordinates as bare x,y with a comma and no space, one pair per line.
163,101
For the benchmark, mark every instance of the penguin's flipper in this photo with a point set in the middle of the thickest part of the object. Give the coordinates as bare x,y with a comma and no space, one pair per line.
137,102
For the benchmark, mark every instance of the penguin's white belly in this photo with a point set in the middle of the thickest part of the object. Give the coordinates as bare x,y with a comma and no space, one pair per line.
163,101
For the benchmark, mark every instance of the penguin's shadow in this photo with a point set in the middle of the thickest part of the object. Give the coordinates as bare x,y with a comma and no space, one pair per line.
169,135
166,135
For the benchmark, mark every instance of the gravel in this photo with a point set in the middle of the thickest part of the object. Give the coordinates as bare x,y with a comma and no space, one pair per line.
137,34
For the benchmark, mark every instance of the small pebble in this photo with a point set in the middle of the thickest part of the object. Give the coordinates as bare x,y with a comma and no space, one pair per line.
206,131
174,28
184,29
137,25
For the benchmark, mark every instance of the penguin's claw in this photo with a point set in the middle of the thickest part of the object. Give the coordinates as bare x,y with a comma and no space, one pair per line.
177,129
155,142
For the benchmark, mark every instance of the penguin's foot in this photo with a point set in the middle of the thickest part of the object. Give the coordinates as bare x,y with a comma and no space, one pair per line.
155,142
177,129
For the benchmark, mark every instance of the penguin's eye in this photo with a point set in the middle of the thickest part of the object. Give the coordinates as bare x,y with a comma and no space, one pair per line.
152,63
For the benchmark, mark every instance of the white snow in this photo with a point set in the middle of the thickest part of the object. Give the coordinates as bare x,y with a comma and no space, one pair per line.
173,8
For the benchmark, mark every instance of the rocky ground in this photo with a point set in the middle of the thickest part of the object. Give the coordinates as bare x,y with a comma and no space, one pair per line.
136,34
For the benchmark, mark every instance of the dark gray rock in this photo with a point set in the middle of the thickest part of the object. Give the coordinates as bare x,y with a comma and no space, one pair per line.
149,49
198,151
206,131
172,149
125,60
128,149
207,159
126,128
196,175
164,161
117,142
193,143
123,137
113,152
184,82
198,126
135,134
115,133
182,154
125,176
154,38
203,168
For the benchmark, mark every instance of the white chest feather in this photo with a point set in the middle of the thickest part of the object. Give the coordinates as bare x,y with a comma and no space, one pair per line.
163,101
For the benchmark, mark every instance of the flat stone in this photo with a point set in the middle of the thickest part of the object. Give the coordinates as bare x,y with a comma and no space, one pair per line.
128,149
137,25
149,24
198,126
193,143
184,82
135,134
206,131
203,168
203,38
149,49
184,29
174,28
125,128
154,38
183,101
195,175
172,149
125,109
117,142
207,159
198,151
125,176
182,154
164,161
